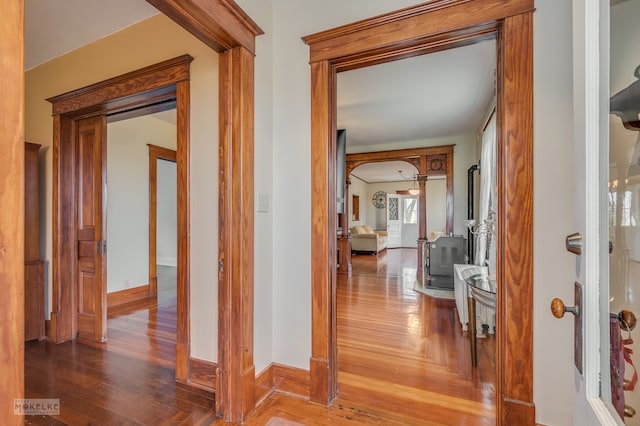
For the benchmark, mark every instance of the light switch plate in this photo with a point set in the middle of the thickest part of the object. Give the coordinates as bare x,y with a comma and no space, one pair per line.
263,202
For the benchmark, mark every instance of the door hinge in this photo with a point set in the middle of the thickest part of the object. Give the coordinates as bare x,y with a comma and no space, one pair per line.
221,266
101,247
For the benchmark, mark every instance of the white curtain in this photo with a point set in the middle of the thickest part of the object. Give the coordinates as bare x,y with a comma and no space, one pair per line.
485,237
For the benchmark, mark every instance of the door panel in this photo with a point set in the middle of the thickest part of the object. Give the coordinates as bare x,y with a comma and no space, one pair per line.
394,226
598,198
91,262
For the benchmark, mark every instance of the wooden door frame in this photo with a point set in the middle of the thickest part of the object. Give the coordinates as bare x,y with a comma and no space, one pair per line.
12,197
155,153
426,28
141,90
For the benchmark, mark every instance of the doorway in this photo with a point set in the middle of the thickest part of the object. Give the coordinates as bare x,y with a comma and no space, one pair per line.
427,28
434,89
124,96
142,236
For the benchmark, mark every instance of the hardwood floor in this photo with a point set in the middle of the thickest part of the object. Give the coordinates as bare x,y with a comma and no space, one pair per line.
402,357
146,330
404,353
103,387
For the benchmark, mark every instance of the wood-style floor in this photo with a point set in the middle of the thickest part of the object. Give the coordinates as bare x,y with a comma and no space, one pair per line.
405,353
402,361
146,330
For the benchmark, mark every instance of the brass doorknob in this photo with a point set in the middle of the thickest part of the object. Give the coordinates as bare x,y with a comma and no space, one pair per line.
627,320
558,308
629,411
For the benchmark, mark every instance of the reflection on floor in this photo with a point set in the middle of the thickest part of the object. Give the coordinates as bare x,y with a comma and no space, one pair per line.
403,349
146,330
129,380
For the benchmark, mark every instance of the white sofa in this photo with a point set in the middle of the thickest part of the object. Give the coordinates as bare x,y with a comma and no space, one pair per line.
364,238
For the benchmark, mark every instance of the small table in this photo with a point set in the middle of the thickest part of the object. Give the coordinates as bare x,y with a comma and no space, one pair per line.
482,289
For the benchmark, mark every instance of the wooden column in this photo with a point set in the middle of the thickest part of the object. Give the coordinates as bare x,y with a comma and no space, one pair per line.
344,240
514,331
235,398
422,225
323,364
183,331
12,213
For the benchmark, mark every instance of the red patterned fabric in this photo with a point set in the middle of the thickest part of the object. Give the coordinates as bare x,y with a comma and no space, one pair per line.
617,365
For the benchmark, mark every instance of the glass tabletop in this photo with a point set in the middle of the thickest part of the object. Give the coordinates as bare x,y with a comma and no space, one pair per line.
482,289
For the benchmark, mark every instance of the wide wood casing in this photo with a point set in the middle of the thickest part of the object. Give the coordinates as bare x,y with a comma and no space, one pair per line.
12,213
33,265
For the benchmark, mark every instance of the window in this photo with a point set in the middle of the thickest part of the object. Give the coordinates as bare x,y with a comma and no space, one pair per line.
410,213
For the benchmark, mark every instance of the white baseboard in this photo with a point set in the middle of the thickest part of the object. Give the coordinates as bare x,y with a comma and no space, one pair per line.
167,261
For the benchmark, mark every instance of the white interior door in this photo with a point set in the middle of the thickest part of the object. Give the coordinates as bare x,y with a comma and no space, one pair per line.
595,212
394,221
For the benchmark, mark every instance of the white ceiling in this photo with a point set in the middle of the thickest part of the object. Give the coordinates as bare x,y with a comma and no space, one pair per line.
432,96
387,171
438,95
56,27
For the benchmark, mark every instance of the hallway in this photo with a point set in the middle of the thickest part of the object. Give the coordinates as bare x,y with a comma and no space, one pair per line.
402,360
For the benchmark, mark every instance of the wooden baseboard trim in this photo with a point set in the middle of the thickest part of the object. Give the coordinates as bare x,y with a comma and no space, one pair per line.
518,412
127,295
281,379
264,384
202,374
291,381
276,378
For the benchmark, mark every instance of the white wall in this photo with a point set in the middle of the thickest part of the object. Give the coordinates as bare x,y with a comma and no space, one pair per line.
360,188
262,13
554,271
128,197
167,214
437,206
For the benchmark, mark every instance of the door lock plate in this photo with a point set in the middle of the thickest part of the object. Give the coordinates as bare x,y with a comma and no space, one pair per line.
577,327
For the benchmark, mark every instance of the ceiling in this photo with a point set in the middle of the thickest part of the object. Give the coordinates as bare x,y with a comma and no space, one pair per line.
439,95
56,27
442,94
386,171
